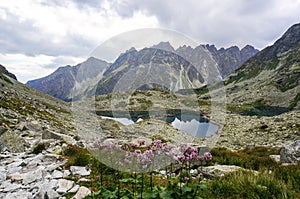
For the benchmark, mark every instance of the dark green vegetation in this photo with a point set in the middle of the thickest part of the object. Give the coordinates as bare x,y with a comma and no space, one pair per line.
198,91
264,179
295,101
38,148
258,108
6,79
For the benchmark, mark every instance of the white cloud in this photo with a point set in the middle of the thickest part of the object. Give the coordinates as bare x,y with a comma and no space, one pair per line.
29,67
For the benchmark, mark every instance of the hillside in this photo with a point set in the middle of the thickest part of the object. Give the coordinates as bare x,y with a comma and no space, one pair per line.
271,78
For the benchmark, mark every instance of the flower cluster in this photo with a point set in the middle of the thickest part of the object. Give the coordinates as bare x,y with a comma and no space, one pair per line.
141,156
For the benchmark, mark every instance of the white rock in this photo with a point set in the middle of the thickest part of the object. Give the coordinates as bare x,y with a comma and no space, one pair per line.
74,189
66,173
9,187
2,174
276,158
81,193
290,153
57,174
82,171
47,187
221,170
84,180
33,176
22,194
64,185
16,176
11,170
162,172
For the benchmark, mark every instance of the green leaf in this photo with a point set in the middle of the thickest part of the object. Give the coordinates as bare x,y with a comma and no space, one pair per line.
187,189
200,186
166,195
125,180
150,194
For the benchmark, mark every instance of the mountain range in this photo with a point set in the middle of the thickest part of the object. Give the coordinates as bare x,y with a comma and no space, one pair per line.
159,65
267,83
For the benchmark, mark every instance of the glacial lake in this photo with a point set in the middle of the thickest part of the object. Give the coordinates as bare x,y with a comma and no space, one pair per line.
186,121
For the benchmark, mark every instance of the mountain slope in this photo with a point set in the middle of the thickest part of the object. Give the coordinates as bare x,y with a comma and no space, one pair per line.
270,78
60,83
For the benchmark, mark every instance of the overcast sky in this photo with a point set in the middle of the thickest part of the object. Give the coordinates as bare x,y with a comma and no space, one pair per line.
37,36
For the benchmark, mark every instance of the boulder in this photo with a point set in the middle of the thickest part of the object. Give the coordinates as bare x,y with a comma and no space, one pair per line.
12,142
82,193
290,153
47,134
33,176
34,125
57,174
64,185
82,171
220,170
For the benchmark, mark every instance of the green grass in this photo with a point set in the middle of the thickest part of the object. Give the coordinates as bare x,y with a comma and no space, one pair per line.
248,185
250,158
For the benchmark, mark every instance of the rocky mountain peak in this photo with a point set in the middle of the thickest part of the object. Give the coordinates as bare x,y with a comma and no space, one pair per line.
164,46
289,40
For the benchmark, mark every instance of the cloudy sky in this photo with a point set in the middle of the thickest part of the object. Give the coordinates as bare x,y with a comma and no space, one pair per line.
37,36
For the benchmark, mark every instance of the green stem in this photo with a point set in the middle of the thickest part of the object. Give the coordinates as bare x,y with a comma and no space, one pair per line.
142,185
118,184
196,188
151,185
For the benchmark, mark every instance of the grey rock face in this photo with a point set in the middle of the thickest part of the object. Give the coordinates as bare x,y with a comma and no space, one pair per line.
290,153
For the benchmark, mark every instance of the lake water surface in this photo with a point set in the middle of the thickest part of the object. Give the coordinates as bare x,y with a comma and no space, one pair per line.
186,121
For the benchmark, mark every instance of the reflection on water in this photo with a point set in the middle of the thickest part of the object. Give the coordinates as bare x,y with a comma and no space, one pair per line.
188,122
123,120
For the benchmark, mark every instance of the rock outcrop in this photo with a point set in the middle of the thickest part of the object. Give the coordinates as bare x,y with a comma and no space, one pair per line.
290,153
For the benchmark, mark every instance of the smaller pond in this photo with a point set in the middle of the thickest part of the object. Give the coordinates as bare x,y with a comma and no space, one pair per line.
186,121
